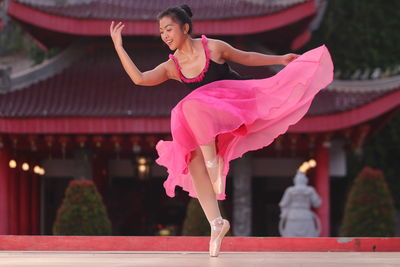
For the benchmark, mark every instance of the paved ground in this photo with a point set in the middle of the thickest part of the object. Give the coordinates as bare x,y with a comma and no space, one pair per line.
191,259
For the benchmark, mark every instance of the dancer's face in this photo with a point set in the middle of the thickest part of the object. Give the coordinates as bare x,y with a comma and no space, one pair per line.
171,33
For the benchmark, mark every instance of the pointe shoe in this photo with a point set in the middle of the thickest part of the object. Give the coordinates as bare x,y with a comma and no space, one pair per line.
222,226
217,182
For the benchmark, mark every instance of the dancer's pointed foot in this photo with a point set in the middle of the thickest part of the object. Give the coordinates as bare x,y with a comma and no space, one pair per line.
215,168
219,228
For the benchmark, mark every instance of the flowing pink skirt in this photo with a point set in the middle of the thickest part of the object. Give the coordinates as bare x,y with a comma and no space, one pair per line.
242,115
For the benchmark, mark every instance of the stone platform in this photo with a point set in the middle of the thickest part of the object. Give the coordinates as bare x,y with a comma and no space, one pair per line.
195,243
201,259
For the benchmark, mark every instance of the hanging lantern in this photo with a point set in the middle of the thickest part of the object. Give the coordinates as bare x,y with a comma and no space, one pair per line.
347,133
293,143
33,142
151,141
98,140
117,140
135,140
13,162
64,139
311,143
81,139
49,139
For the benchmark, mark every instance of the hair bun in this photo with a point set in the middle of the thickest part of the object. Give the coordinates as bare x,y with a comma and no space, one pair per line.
187,10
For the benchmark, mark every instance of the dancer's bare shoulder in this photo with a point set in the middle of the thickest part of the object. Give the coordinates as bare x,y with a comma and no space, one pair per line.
171,70
216,48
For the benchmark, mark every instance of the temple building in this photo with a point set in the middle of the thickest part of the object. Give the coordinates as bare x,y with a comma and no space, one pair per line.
78,115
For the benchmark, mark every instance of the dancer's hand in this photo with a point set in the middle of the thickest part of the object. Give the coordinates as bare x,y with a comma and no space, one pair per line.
286,59
115,32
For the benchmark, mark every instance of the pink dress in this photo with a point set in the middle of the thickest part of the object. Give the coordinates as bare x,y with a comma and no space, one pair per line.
241,115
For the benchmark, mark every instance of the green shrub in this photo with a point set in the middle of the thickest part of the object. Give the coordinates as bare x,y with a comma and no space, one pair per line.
82,211
196,223
369,210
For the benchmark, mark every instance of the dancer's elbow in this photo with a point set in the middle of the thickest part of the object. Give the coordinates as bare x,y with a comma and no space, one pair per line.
137,80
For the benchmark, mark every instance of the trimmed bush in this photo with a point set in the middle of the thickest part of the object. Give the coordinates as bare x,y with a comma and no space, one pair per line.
369,210
82,211
196,223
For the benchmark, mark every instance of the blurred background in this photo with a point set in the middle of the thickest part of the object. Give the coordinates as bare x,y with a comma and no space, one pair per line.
69,112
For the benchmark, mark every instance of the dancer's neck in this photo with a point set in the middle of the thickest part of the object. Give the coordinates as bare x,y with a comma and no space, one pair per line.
187,48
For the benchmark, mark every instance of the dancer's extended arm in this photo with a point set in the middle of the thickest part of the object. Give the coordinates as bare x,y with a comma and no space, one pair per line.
148,78
230,53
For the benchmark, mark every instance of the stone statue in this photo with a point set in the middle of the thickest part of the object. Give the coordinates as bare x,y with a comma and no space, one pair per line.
296,218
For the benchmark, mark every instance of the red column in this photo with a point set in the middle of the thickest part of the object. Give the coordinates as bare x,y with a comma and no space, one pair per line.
322,185
24,202
14,200
35,204
4,193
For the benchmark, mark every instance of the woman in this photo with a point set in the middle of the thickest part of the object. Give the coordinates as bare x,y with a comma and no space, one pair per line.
223,116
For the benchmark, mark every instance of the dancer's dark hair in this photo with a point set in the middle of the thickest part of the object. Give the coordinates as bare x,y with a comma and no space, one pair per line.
180,14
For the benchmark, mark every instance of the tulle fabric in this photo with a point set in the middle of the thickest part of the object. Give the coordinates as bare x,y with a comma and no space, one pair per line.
241,115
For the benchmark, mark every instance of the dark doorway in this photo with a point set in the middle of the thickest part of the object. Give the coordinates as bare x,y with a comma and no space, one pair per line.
141,207
267,193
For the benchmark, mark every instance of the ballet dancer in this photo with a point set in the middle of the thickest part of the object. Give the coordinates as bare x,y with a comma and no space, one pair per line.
223,115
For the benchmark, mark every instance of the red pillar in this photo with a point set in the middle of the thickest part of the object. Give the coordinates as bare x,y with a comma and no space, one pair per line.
35,204
4,193
14,200
24,202
322,185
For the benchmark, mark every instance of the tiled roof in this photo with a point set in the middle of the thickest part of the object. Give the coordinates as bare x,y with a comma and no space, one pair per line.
148,10
330,101
97,86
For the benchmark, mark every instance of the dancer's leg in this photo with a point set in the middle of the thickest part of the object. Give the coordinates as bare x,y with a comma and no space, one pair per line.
203,187
208,201
209,152
191,109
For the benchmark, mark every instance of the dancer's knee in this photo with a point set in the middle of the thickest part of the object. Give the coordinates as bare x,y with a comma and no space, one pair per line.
196,164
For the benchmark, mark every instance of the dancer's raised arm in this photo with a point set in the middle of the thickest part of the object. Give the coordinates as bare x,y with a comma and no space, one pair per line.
230,53
148,78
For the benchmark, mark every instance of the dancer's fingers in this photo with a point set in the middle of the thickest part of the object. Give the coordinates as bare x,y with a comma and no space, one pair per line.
111,27
119,29
114,29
